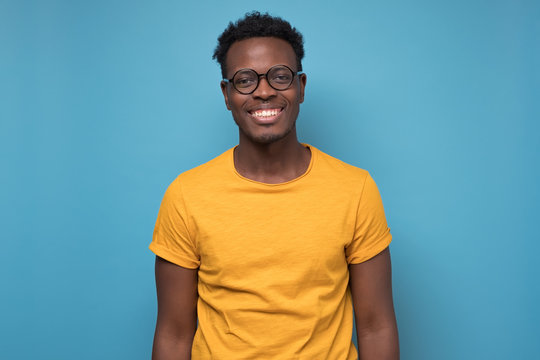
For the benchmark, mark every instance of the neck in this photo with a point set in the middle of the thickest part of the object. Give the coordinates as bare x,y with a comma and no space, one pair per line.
273,163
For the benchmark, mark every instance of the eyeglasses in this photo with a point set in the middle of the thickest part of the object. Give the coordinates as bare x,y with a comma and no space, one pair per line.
246,81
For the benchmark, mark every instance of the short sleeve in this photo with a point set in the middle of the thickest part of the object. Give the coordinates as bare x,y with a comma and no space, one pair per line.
172,240
372,234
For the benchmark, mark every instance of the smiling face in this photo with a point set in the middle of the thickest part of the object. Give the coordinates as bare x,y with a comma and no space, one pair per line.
266,115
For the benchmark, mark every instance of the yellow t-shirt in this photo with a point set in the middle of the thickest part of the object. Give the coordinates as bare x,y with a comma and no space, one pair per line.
272,258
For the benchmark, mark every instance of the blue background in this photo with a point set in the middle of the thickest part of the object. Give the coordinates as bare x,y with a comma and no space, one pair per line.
103,103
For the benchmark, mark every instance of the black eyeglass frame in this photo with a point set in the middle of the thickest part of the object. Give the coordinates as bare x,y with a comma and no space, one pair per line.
230,81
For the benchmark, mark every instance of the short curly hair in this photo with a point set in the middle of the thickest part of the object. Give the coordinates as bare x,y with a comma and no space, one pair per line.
255,24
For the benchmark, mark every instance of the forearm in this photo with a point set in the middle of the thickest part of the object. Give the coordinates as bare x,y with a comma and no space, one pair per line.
177,311
167,347
379,344
376,327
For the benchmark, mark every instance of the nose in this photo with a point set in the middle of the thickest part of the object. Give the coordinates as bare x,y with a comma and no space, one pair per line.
264,90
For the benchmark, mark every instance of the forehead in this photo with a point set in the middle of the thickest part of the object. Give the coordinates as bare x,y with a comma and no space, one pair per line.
259,54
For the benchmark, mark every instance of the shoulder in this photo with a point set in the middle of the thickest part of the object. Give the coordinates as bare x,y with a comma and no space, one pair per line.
203,176
216,166
338,170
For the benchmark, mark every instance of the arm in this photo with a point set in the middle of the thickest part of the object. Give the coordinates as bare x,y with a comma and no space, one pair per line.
177,311
371,289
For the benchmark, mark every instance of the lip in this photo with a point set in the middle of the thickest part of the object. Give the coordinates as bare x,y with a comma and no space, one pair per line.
265,120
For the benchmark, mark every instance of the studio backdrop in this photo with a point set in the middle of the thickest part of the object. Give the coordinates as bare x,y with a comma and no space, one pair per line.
104,103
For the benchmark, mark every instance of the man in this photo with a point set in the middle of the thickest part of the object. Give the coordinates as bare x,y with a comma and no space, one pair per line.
270,244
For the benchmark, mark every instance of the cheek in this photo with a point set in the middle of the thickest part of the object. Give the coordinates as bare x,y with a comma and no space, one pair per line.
237,110
236,102
297,99
235,107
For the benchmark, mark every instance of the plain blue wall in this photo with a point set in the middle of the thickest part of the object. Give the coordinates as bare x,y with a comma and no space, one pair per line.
103,103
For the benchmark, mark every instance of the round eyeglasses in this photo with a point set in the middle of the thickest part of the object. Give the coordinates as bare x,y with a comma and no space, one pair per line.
246,81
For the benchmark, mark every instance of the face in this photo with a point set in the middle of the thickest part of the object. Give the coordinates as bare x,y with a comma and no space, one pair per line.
266,115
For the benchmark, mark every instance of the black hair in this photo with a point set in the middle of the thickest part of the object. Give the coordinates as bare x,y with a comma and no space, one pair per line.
255,24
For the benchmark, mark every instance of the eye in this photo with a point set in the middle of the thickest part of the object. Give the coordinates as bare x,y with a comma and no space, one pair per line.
244,81
281,78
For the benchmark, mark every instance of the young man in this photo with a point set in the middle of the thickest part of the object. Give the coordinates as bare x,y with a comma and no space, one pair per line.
270,244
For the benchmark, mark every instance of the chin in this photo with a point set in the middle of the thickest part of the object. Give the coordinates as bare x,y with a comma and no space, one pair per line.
267,138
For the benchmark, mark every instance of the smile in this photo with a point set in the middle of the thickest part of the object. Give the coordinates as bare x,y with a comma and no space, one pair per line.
265,114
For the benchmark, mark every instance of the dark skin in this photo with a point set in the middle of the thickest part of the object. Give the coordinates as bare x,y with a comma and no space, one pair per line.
269,152
177,311
371,290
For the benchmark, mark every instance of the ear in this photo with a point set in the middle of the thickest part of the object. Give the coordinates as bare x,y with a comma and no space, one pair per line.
302,78
224,90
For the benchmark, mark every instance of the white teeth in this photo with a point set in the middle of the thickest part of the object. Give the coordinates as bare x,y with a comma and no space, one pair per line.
272,112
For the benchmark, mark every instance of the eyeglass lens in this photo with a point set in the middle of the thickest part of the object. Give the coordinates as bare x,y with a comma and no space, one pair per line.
279,77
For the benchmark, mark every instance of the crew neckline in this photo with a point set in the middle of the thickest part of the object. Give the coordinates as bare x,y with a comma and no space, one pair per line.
312,150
